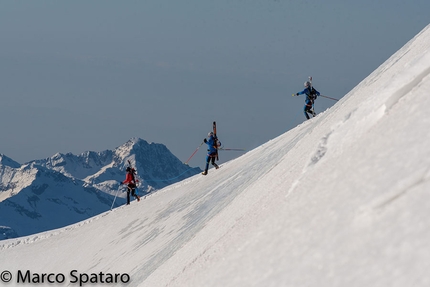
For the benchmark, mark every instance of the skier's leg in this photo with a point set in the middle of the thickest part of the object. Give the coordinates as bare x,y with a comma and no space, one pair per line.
135,195
205,172
128,196
305,111
213,161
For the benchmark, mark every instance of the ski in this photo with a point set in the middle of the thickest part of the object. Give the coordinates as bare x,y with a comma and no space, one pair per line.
313,103
216,138
214,128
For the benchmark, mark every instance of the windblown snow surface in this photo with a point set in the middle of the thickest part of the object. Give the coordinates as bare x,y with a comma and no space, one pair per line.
341,200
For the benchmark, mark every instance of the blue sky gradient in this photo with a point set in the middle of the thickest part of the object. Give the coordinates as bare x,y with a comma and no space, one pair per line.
89,75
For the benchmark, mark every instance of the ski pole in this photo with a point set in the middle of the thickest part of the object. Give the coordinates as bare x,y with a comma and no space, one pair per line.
193,153
236,149
115,196
329,98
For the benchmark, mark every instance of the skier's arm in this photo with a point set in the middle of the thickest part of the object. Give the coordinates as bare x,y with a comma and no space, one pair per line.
301,93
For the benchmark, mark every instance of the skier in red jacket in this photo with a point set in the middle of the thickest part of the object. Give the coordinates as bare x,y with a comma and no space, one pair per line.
131,184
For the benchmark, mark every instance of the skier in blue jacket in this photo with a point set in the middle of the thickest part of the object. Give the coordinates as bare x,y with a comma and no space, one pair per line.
213,144
311,95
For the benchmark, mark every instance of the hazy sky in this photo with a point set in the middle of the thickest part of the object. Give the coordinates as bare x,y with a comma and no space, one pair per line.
89,75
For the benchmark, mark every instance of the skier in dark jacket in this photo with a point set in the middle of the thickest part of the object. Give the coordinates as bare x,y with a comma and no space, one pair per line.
311,95
131,184
213,145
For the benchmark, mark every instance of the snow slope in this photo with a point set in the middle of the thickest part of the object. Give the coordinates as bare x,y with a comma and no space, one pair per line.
341,200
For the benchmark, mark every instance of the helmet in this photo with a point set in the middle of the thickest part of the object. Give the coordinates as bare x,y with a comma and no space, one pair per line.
210,134
307,84
128,169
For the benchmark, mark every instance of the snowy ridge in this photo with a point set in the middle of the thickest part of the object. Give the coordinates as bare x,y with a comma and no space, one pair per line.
341,200
6,161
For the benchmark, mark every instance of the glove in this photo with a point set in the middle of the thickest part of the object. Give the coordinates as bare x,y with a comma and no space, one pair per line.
120,182
205,140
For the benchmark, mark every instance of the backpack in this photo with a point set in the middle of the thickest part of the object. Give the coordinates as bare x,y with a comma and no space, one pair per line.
313,95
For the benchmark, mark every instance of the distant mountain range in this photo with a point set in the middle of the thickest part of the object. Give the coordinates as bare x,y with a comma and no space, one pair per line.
64,189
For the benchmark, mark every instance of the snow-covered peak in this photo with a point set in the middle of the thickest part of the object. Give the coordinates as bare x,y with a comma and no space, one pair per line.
126,149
